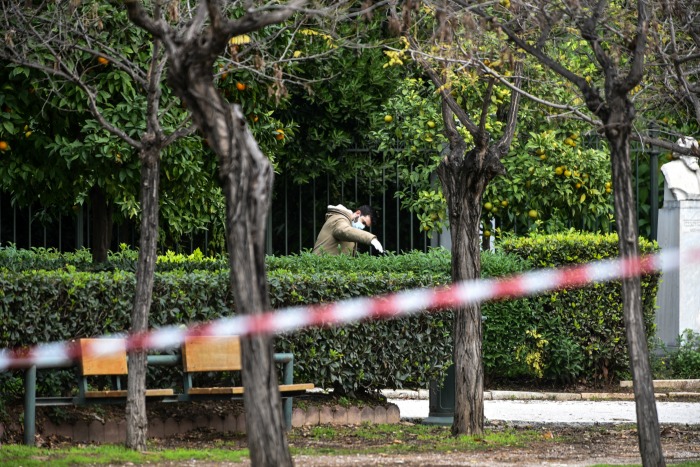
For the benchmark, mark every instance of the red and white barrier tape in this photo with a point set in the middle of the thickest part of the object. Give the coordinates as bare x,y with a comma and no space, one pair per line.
347,311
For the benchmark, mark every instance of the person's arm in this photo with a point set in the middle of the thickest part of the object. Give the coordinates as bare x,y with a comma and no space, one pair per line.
343,231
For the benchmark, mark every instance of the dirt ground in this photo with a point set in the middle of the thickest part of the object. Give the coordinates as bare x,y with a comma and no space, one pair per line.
561,445
558,445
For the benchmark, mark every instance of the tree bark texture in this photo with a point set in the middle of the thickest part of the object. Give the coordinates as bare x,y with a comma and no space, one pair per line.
246,176
618,133
464,179
136,418
101,224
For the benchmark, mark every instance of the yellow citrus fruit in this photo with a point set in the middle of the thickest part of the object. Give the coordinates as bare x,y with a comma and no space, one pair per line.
539,151
504,203
487,233
388,118
280,135
543,157
531,169
488,206
567,173
578,185
558,171
608,190
431,124
532,213
608,184
28,134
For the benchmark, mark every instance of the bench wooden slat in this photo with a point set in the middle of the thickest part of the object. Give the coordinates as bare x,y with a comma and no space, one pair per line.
239,389
296,387
211,353
212,391
111,364
122,393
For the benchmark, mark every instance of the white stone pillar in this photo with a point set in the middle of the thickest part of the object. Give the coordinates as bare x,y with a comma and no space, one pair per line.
678,299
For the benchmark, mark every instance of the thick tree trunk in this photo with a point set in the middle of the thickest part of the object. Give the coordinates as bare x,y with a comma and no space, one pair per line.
617,132
101,224
136,419
463,183
247,177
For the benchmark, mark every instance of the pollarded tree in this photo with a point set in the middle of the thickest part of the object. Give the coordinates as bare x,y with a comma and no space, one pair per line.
246,176
64,42
676,44
616,34
478,131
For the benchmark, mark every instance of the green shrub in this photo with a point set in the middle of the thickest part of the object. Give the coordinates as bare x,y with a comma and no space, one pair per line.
684,362
561,336
584,326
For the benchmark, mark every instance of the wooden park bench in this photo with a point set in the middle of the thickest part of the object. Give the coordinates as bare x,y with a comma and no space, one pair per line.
199,354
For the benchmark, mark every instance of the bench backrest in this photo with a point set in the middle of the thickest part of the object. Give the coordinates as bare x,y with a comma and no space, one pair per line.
113,363
211,353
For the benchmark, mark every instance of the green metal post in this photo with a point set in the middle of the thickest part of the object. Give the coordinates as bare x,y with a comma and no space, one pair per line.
288,360
29,405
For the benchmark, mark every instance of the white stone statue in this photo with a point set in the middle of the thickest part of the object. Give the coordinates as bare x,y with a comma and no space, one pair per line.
683,174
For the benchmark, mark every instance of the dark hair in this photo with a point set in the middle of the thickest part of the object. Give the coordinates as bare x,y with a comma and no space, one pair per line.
366,210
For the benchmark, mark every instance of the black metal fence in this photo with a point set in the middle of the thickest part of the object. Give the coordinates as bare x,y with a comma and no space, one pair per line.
297,214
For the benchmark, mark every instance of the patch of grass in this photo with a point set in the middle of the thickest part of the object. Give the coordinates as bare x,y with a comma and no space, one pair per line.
26,456
395,439
323,431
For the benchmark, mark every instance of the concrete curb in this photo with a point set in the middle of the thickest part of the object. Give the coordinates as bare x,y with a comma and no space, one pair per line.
423,394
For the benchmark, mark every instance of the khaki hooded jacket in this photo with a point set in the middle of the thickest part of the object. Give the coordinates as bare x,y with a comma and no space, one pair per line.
338,235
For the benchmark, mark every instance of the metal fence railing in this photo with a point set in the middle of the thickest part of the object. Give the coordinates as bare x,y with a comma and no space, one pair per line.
297,214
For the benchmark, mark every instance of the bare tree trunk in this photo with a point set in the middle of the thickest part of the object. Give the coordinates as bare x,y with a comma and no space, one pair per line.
101,224
137,422
463,184
247,177
617,133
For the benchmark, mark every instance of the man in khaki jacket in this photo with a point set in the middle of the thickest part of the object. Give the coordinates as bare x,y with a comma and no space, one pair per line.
344,229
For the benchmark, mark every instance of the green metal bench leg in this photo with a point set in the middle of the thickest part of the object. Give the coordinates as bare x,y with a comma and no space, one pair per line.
29,405
288,379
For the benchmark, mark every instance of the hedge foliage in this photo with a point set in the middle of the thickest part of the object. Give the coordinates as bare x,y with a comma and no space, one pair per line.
584,326
562,336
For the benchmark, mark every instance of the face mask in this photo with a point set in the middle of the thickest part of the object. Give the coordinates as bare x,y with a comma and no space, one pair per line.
358,225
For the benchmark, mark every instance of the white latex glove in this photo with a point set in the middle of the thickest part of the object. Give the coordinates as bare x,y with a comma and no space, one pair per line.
377,246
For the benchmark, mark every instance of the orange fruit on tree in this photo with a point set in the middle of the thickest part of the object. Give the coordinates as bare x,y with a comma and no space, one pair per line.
4,145
102,61
240,86
280,135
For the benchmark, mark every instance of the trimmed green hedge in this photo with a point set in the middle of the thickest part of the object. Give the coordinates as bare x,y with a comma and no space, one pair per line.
562,336
583,326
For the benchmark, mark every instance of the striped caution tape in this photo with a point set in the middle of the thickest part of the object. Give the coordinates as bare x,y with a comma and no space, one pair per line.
403,303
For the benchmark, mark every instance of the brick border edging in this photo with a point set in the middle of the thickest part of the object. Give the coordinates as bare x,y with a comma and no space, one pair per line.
114,431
